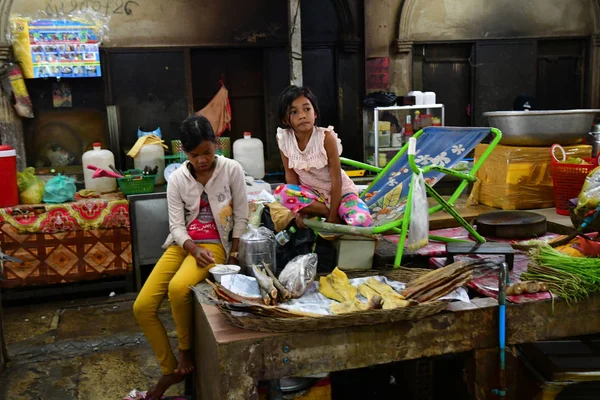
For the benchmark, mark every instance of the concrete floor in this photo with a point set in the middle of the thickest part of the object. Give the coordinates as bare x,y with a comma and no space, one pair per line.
88,349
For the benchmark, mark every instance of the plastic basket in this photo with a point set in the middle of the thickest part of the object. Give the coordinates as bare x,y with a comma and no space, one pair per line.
136,183
567,180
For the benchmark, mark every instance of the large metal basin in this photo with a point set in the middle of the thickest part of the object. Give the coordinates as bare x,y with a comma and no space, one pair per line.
542,128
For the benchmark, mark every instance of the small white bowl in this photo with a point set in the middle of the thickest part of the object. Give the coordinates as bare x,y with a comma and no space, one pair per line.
220,270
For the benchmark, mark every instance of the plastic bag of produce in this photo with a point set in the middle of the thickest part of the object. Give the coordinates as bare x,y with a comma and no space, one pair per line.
418,228
590,192
31,188
60,189
299,274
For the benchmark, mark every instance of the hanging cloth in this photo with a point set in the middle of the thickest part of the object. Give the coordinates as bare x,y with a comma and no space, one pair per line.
218,111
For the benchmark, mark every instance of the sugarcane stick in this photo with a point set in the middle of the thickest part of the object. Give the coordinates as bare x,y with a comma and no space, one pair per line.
440,291
284,294
443,275
230,296
444,272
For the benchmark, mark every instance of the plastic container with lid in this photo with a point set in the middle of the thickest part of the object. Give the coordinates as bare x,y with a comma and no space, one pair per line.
100,158
429,98
9,195
152,155
250,154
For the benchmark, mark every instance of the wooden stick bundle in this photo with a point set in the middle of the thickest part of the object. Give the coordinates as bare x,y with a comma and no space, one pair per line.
440,282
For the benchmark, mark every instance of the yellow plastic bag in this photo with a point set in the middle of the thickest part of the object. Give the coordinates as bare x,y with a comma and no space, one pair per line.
31,188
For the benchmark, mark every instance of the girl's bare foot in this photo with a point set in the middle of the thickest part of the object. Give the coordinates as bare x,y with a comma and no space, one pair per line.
186,362
165,382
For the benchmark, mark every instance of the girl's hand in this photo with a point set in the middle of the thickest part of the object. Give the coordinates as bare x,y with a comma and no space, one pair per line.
204,257
300,222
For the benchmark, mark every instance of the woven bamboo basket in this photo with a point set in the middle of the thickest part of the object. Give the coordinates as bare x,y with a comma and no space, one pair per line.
369,317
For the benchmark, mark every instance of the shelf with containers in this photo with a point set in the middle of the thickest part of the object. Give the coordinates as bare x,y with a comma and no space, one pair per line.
380,148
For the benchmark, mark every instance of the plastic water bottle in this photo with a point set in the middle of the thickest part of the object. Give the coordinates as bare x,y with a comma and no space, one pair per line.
284,237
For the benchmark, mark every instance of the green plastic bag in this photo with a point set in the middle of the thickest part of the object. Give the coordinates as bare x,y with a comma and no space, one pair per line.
31,188
60,189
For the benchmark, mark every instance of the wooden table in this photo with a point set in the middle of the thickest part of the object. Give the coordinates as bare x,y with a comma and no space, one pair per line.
230,361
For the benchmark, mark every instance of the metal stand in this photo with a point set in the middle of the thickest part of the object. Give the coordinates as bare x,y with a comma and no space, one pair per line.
487,248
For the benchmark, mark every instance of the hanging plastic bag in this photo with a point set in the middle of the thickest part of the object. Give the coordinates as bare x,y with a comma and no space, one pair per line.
299,274
18,90
31,188
418,229
255,214
60,189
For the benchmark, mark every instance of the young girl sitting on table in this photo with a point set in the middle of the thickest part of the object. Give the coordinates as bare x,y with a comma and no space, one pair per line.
316,184
208,211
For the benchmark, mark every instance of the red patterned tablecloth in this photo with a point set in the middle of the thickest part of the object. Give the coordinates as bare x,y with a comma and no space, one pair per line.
63,243
110,211
64,257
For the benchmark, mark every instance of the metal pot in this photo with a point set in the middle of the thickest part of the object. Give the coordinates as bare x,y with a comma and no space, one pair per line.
257,246
542,128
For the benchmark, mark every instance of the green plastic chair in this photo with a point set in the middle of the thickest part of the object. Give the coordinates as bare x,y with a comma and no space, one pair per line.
432,151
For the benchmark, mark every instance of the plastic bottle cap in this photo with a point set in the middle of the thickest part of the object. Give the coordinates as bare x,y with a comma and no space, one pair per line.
247,135
5,147
96,144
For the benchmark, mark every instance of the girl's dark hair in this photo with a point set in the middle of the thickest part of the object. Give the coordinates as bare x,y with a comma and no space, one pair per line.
195,130
291,93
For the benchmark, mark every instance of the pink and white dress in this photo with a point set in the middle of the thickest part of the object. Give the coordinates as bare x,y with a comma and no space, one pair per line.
312,167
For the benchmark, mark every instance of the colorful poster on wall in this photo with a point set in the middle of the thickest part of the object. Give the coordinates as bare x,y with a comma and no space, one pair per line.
56,48
378,73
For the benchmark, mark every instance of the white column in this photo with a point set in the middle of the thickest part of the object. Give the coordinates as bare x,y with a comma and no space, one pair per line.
295,33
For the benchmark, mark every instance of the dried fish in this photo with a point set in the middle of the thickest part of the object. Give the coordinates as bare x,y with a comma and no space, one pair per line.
265,282
284,294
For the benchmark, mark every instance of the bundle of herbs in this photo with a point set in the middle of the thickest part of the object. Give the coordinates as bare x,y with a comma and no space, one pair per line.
571,278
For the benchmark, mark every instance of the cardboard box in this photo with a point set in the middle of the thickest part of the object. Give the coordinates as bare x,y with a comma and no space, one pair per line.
518,178
355,252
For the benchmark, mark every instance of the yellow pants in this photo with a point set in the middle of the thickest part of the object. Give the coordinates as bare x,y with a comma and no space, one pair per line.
173,274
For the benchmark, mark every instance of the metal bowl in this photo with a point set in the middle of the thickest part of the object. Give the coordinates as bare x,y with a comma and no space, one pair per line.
542,128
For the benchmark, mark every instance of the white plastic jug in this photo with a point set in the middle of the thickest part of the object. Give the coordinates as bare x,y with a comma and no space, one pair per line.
249,152
429,98
418,97
102,159
152,155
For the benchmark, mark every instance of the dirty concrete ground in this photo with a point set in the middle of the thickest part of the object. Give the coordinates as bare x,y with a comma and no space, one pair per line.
86,349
